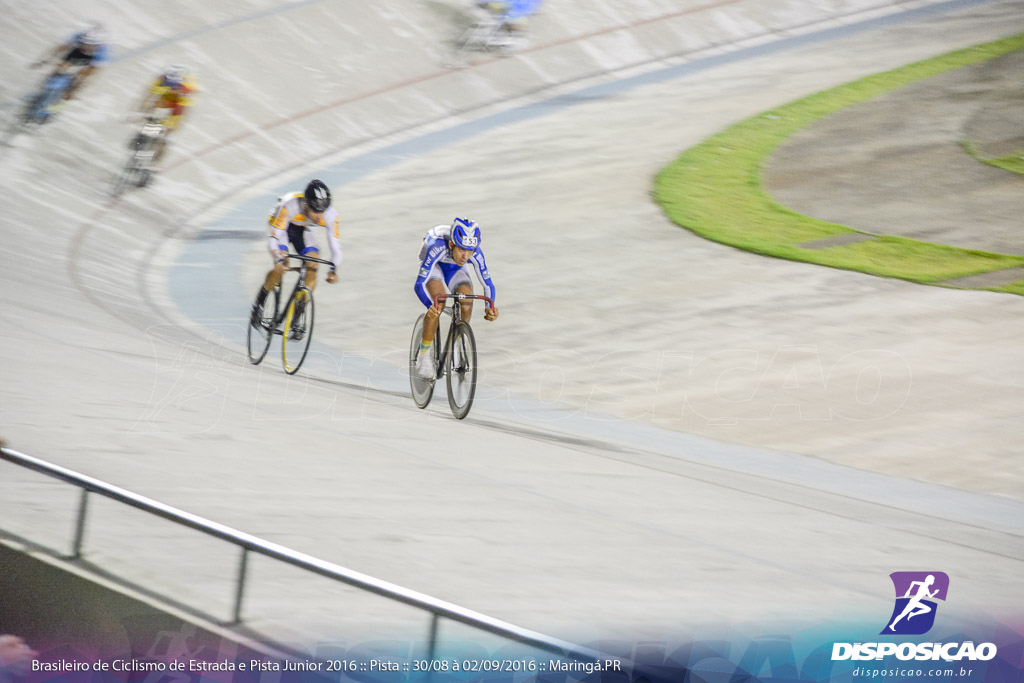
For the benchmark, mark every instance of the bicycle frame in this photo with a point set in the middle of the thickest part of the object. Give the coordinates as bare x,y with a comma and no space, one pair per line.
299,284
456,313
148,136
52,89
145,144
457,361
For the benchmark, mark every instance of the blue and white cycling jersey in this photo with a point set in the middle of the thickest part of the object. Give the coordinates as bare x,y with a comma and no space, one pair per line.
436,263
519,9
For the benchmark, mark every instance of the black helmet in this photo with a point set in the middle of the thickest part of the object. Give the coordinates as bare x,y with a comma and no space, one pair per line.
318,197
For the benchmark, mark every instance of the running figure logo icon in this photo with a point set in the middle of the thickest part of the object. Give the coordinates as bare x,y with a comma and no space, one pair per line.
916,592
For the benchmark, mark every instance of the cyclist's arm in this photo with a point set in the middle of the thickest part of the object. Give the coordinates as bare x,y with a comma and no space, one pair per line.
434,252
278,223
480,264
149,100
334,239
52,55
101,56
277,243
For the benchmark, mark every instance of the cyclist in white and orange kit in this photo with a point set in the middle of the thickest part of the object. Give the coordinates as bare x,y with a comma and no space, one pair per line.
293,221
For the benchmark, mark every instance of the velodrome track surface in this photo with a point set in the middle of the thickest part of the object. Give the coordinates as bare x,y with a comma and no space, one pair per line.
548,508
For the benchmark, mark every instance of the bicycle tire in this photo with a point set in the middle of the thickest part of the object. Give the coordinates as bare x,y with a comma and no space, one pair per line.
298,330
34,110
126,178
461,368
257,340
422,389
14,130
38,112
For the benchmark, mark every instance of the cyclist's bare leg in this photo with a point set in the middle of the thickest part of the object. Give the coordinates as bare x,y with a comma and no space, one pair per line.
78,81
311,269
274,276
435,288
467,306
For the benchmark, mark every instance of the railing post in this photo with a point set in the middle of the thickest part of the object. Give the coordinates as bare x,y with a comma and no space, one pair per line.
436,608
242,565
83,505
432,646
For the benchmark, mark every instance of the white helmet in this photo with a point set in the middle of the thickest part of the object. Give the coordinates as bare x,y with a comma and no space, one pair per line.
93,36
175,74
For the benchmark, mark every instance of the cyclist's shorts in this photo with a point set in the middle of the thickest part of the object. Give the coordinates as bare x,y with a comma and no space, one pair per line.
302,238
451,275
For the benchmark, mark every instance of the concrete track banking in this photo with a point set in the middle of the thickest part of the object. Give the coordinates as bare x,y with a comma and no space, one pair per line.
555,509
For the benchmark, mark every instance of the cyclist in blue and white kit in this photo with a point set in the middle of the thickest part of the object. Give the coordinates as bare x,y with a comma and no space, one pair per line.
446,253
513,16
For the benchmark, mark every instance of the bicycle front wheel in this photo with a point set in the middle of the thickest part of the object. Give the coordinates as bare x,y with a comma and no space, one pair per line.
461,369
297,331
260,328
422,389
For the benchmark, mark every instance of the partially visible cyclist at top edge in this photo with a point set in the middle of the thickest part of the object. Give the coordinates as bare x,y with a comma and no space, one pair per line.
293,221
84,51
170,94
514,16
445,257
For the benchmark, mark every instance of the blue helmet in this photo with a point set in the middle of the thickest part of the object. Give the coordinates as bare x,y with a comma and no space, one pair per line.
466,234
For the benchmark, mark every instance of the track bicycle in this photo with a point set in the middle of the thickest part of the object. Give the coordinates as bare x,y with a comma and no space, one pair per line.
37,110
459,355
139,169
293,321
487,33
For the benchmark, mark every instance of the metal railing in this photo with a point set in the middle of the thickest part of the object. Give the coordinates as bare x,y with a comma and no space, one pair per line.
437,609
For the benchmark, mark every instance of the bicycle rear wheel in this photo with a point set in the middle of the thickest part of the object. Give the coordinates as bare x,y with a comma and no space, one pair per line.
39,111
461,369
422,389
257,337
17,125
35,111
128,177
297,331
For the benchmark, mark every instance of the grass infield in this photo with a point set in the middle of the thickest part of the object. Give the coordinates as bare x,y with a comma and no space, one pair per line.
715,188
1011,162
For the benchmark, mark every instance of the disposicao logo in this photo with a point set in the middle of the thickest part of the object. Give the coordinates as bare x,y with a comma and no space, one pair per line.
916,593
913,615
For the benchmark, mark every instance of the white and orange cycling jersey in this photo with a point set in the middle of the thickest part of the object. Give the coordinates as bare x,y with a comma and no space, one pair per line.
288,223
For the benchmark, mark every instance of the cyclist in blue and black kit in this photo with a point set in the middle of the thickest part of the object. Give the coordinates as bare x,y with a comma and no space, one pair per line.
85,51
446,253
